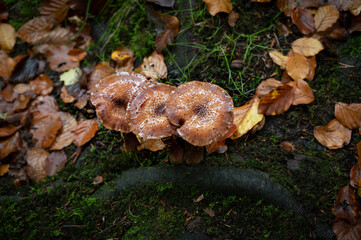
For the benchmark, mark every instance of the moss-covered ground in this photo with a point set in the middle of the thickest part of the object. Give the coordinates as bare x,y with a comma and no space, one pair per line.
63,207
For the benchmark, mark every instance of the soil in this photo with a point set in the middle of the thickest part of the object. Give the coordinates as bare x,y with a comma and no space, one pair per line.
66,206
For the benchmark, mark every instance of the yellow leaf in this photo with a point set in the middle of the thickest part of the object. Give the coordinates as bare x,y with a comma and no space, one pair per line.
307,46
4,168
246,117
7,37
278,58
216,6
325,17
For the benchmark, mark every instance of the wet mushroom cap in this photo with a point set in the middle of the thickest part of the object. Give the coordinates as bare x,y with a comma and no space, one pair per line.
111,97
146,112
203,112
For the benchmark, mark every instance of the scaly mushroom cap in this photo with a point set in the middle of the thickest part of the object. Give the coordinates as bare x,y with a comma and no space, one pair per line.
203,111
146,112
111,97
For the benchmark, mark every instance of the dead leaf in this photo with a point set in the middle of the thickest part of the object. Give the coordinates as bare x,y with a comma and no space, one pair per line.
170,31
232,18
100,71
55,162
278,58
153,67
152,145
34,30
303,19
66,134
297,66
356,11
313,63
287,147
199,198
355,176
277,101
76,54
36,159
358,146
44,128
4,168
346,231
246,117
286,6
98,180
8,93
303,93
65,96
325,17
21,103
7,130
10,145
57,36
348,115
334,135
44,104
41,85
7,65
85,131
124,57
7,37
58,58
27,69
267,86
57,9
71,76
210,212
307,46
216,6
261,1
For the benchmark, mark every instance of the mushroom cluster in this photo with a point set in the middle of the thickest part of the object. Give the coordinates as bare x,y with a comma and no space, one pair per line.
200,113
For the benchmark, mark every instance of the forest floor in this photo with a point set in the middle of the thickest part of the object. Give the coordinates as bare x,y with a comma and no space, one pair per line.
64,206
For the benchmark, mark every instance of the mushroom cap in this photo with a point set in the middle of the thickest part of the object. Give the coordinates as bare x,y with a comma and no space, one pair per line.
111,97
204,112
146,112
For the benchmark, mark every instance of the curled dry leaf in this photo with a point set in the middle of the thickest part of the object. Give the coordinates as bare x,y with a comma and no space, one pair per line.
303,19
287,147
297,66
348,114
66,135
267,86
55,162
7,37
4,168
58,58
325,17
153,67
10,145
216,6
152,145
307,46
303,93
278,58
334,135
85,131
36,159
171,28
232,18
246,117
34,30
44,127
42,85
21,103
7,130
76,54
277,101
98,180
100,71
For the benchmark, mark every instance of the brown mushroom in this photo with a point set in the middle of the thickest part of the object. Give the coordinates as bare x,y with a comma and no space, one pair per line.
111,97
146,112
203,112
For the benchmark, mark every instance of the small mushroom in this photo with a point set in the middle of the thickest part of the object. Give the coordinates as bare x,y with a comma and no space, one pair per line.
111,97
146,112
203,112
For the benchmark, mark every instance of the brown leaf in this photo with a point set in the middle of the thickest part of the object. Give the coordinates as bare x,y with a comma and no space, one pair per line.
348,115
152,145
303,93
246,117
303,19
55,162
287,147
307,46
278,58
76,54
34,30
85,131
7,130
41,85
66,134
7,37
153,67
171,28
216,6
4,168
297,66
21,103
57,36
65,96
209,211
36,159
358,145
59,60
286,6
334,135
44,127
199,198
232,18
100,71
313,63
4,12
57,9
325,17
346,206
355,176
355,24
10,145
277,101
44,104
267,86
346,231
7,65
8,93
98,180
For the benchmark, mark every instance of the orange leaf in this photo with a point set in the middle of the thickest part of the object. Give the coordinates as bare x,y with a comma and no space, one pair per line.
44,127
66,134
171,28
333,136
98,180
277,101
355,176
65,96
303,93
307,46
76,54
7,65
297,66
303,19
286,6
325,17
10,145
41,85
4,168
8,93
85,131
216,6
267,86
348,115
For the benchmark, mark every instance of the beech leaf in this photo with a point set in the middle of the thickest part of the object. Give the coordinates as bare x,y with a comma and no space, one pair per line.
307,46
325,17
7,130
153,67
55,162
4,168
85,131
348,115
216,6
57,9
66,134
278,58
277,101
36,158
303,19
34,30
10,145
59,60
100,71
7,37
303,93
44,127
334,135
297,66
41,85
267,86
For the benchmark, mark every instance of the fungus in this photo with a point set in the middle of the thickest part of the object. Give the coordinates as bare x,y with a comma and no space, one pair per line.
146,112
111,97
203,112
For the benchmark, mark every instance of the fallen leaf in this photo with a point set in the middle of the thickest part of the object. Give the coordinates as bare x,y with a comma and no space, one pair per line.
163,3
34,30
287,147
98,180
21,88
344,230
297,66
36,159
210,212
261,1
216,6
303,19
100,71
44,104
334,135
267,86
278,58
286,6
55,162
356,11
65,96
7,65
307,46
199,198
355,24
325,17
152,145
57,36
41,85
57,9
10,145
85,131
277,101
232,18
303,93
7,37
4,168
71,76
170,31
66,134
348,115
312,63
76,54
21,103
27,69
153,67
58,58
7,130
8,93
44,128
355,176
358,145
246,117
